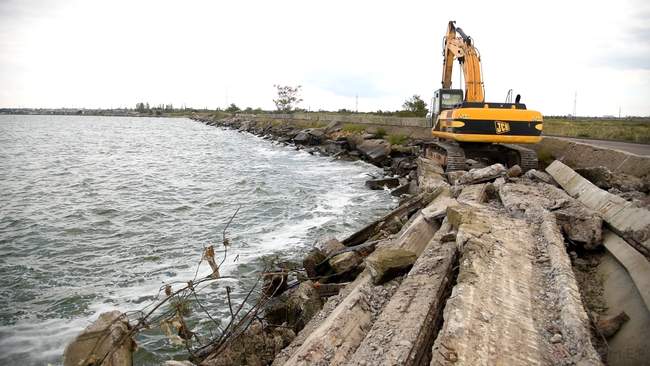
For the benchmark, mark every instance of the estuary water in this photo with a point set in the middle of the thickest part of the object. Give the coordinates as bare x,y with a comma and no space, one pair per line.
96,213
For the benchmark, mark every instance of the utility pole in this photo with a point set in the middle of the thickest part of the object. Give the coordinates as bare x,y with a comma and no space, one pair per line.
575,101
356,103
619,112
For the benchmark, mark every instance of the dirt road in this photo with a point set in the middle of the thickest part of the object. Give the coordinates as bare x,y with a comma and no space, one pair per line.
638,149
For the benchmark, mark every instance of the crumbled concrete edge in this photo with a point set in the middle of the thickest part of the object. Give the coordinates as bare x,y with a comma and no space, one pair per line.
573,321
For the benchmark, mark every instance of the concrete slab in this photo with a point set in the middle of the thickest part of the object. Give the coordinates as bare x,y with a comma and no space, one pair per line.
636,265
632,223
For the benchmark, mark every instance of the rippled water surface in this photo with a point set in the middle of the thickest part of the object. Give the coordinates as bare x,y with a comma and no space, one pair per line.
97,212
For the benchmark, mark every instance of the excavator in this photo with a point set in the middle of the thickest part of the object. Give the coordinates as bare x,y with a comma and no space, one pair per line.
466,127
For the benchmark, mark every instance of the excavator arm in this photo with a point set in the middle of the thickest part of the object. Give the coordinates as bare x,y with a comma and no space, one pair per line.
460,47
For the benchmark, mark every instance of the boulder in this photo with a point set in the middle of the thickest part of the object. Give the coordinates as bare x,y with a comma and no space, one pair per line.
257,346
514,171
345,262
536,175
311,260
294,307
104,335
378,184
385,264
330,246
375,150
482,175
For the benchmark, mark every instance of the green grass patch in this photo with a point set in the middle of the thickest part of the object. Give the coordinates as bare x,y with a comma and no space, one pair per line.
353,128
632,130
381,132
397,139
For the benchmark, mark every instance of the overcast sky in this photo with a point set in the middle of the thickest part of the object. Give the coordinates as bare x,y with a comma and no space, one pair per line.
206,53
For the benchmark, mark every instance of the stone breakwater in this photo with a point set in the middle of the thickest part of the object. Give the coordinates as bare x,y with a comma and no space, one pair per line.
486,266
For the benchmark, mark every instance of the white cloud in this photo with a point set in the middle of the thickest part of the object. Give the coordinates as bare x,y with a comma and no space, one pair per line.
107,54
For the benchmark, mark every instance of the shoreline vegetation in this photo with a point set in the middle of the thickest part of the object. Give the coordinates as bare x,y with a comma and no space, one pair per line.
626,129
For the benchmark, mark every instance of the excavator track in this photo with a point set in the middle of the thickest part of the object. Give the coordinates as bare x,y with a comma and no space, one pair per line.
448,154
527,157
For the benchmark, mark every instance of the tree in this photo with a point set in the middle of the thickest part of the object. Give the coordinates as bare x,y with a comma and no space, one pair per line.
232,108
416,105
288,98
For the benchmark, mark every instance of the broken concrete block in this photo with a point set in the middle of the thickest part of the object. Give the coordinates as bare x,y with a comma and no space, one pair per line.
483,174
536,175
105,335
378,184
437,209
345,262
375,150
578,222
402,333
474,194
330,246
632,223
386,263
430,174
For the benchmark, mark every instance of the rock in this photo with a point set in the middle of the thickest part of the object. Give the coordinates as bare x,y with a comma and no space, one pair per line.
385,264
454,176
98,339
609,326
302,138
311,260
536,175
310,136
605,179
403,189
369,136
303,304
577,222
581,224
514,171
345,262
378,184
177,363
354,141
483,174
257,346
430,175
556,338
330,246
295,307
334,147
376,151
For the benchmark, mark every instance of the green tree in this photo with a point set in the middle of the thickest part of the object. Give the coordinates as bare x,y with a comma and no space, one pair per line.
288,97
232,108
416,105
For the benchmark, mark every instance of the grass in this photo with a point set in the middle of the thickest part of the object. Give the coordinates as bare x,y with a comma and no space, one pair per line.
353,128
632,130
397,139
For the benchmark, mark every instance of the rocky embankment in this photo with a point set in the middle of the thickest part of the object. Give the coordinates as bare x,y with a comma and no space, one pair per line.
486,266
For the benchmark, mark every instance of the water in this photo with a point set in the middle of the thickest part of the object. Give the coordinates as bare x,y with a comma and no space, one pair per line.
97,212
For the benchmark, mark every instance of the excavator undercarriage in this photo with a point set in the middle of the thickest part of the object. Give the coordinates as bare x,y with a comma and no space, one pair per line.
454,156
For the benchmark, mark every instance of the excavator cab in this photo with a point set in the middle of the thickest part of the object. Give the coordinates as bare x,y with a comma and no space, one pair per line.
444,99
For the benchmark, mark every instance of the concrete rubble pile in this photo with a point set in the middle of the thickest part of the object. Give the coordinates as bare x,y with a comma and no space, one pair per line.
486,266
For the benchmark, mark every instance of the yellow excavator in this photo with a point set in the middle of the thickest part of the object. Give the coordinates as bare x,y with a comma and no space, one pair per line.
467,127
